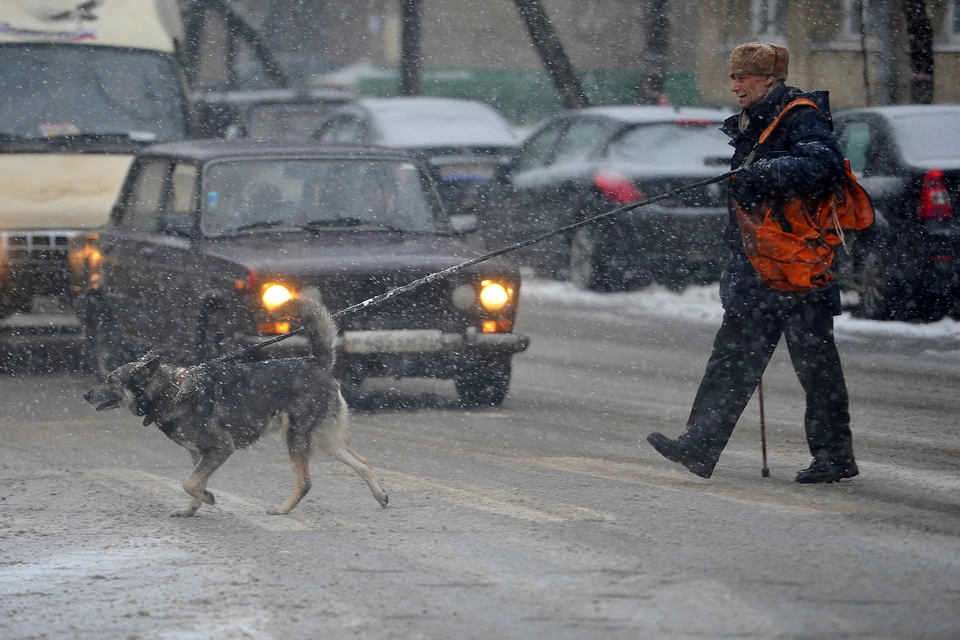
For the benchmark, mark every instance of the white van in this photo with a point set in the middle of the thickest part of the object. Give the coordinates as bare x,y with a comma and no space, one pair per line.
85,85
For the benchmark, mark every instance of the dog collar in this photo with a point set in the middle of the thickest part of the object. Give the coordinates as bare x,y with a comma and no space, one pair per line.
163,402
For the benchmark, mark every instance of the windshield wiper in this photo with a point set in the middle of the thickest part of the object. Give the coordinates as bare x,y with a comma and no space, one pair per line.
270,224
354,223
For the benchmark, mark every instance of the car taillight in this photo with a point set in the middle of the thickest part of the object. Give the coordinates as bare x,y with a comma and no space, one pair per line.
617,188
934,197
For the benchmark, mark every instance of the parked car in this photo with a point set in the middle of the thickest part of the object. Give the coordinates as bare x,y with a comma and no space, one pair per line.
207,233
588,161
908,160
464,141
265,113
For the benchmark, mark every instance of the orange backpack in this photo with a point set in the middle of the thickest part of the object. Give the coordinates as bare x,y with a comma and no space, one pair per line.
792,244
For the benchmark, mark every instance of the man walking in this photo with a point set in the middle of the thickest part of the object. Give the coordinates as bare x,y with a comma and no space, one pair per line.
800,158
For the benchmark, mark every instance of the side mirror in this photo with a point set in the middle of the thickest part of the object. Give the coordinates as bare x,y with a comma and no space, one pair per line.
503,170
464,223
173,224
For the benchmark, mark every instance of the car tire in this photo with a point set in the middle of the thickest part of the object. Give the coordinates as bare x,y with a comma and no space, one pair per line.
931,307
589,268
484,382
105,345
879,299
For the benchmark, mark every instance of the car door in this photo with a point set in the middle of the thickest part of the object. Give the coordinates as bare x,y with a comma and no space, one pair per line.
175,265
550,194
503,203
867,143
128,245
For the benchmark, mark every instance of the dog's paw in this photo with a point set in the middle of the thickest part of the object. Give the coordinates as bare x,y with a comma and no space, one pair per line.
183,513
277,511
384,501
206,497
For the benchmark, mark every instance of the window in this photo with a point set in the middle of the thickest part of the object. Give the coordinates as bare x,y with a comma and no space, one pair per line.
536,150
769,18
184,195
341,130
582,137
146,196
856,18
855,144
952,22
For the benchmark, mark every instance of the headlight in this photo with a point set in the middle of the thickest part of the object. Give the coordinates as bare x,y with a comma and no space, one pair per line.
494,296
274,295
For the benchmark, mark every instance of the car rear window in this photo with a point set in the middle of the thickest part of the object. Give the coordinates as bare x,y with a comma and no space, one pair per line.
671,144
927,139
271,194
290,121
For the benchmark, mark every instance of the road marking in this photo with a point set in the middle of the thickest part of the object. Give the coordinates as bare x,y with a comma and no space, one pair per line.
514,505
669,479
170,492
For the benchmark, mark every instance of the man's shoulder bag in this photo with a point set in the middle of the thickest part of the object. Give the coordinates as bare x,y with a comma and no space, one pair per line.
792,243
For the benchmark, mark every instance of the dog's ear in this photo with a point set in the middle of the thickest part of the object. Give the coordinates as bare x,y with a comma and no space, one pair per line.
154,363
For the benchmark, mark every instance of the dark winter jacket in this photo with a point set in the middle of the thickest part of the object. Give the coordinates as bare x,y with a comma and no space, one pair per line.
801,157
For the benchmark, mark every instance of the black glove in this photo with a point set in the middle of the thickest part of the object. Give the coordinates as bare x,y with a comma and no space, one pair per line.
747,188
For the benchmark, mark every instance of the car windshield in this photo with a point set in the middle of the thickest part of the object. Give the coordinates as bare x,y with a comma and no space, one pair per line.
290,121
257,195
79,90
671,144
928,138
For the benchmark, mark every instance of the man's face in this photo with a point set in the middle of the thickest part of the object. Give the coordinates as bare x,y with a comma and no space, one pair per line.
749,89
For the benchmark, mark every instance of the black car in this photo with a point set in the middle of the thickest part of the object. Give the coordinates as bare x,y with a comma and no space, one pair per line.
908,160
465,141
588,161
271,114
208,235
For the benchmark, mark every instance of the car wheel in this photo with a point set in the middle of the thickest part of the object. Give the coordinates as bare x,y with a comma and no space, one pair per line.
105,344
878,296
589,268
484,382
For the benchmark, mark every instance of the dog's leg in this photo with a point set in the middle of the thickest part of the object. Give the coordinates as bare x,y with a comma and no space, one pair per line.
196,484
194,503
334,442
299,448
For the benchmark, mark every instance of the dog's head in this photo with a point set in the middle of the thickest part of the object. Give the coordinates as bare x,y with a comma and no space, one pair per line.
126,385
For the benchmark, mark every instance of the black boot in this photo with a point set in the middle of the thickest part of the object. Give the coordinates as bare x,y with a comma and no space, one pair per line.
822,470
682,453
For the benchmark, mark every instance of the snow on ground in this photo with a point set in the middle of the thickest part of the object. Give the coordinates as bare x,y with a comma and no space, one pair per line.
702,304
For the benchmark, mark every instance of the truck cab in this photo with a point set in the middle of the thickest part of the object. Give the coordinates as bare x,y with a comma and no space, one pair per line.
86,85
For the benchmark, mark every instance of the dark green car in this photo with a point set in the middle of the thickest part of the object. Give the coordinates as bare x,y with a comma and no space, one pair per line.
207,234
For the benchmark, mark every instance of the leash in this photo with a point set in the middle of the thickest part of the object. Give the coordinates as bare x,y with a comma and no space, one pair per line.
433,277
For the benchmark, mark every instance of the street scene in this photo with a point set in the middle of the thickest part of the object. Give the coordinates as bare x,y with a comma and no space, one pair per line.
522,319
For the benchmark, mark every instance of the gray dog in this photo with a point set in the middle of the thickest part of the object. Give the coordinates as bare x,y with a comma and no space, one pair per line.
213,410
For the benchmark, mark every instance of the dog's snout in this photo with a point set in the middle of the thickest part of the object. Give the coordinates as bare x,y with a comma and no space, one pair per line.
88,395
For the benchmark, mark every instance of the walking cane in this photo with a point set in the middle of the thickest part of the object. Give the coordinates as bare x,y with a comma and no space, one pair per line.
765,472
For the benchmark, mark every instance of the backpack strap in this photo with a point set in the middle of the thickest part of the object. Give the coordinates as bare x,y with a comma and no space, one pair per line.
799,102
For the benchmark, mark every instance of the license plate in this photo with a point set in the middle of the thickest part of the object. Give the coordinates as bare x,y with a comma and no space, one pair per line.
414,341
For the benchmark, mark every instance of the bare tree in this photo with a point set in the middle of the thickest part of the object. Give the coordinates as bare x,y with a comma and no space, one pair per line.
920,40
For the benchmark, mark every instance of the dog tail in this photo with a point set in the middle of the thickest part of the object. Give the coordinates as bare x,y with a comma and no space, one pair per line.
319,325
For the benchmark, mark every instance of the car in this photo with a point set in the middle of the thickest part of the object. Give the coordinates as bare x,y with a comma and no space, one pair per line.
464,141
907,266
265,113
587,161
208,235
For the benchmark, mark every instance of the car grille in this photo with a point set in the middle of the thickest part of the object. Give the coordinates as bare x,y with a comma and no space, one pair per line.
37,247
426,307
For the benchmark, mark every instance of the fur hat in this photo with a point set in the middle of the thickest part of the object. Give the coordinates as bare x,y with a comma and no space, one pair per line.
760,59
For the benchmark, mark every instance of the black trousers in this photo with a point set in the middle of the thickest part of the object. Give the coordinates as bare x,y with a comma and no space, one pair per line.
743,347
